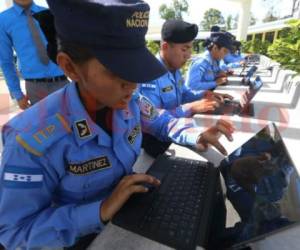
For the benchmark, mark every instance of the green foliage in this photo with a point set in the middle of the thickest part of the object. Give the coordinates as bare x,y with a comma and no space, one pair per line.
174,11
153,46
286,50
260,47
229,22
257,46
212,17
246,46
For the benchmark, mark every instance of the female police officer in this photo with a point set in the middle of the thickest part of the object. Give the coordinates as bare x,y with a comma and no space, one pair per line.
67,162
205,72
234,58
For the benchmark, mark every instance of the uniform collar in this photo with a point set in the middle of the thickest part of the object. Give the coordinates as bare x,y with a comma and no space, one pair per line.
169,74
207,55
34,8
79,119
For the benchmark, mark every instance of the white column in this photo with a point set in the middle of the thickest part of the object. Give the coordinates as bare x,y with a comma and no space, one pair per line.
297,14
244,19
8,3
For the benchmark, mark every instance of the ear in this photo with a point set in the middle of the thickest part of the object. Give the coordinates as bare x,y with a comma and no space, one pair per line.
68,66
164,45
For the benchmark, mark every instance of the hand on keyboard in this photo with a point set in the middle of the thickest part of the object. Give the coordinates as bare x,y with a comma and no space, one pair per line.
219,97
128,185
212,135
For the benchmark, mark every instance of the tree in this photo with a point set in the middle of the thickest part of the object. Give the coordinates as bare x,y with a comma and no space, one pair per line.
274,3
270,16
174,11
286,50
212,17
229,22
252,19
236,18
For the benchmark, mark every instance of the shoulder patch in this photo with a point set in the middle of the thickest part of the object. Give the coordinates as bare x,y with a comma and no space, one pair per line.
42,137
22,177
148,110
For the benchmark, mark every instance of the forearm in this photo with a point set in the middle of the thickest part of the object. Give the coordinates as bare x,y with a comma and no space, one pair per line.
12,80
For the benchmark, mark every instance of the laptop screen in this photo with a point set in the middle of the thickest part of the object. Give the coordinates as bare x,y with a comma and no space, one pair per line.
249,74
263,187
248,95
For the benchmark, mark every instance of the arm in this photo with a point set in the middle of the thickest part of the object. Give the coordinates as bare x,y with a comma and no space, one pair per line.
183,131
190,95
195,76
7,64
151,91
28,218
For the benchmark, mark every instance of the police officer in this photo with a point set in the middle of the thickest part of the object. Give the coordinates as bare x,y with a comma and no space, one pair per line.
205,71
66,167
168,91
234,58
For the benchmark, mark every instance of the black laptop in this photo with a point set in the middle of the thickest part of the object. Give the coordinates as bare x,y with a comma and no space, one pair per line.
245,74
261,182
244,107
242,78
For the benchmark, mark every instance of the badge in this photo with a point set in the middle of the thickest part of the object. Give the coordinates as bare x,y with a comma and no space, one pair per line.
134,133
83,128
167,89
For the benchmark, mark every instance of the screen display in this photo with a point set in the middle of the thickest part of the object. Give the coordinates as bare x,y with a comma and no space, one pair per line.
262,186
248,95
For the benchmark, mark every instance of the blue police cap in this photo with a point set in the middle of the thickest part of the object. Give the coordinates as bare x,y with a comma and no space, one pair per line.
113,30
222,39
215,28
178,31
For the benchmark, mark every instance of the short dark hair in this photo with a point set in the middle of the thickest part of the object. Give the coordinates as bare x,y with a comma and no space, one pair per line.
78,53
208,43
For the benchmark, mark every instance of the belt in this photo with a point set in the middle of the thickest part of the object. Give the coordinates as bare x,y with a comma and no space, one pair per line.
51,79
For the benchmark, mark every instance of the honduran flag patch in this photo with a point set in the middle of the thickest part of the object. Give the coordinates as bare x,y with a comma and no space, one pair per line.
22,177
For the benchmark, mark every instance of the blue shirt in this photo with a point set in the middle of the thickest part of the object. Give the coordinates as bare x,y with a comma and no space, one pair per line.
232,61
203,72
15,35
58,165
169,92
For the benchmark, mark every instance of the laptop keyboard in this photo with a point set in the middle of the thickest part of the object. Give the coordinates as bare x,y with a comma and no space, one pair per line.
177,204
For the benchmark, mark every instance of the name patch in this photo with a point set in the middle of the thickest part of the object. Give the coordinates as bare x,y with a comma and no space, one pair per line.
134,133
89,166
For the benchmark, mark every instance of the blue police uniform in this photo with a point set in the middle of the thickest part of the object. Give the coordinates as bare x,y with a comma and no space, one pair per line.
232,61
58,165
169,92
203,72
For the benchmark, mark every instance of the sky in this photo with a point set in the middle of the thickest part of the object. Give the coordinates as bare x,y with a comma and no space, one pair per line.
198,7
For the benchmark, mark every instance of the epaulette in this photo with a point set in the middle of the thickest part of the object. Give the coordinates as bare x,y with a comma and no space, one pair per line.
42,136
